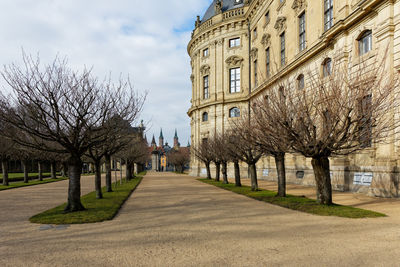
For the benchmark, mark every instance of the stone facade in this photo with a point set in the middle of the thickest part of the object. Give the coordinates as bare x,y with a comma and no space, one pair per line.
249,37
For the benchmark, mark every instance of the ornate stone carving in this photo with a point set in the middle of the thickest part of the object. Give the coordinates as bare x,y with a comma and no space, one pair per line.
254,53
299,5
266,39
205,69
234,60
280,24
198,22
218,7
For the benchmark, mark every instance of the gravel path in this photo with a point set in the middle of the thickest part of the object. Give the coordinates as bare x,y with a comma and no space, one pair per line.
174,220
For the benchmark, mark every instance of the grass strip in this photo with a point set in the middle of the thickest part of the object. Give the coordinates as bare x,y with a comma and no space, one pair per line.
31,183
18,176
97,210
297,203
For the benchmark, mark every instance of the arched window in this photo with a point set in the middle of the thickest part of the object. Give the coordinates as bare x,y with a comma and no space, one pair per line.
205,116
300,82
327,67
234,112
365,42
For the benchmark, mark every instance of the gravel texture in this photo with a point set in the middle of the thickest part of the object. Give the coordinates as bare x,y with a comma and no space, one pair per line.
174,220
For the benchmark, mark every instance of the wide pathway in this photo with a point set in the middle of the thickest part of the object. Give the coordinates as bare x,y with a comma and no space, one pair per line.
174,220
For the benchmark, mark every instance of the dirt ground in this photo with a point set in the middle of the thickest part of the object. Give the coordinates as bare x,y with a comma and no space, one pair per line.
174,220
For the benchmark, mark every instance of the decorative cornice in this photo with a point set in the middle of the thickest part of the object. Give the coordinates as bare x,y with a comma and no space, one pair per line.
280,24
299,5
266,39
254,53
205,69
234,61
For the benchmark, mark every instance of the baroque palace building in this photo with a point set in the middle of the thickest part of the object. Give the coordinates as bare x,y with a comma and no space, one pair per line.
241,48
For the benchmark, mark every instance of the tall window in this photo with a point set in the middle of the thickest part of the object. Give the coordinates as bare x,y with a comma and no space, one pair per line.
328,14
255,33
327,67
206,92
302,32
206,52
234,80
365,43
268,61
300,82
234,112
234,42
283,47
255,74
205,116
267,18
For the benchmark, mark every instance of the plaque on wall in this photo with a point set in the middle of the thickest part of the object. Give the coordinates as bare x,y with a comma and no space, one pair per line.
265,172
363,178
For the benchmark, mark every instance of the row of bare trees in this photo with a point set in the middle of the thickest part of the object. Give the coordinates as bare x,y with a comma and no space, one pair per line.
57,110
351,109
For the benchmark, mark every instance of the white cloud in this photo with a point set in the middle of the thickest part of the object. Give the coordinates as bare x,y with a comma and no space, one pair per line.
143,39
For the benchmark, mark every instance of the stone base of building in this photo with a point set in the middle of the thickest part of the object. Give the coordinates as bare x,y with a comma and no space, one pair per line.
378,181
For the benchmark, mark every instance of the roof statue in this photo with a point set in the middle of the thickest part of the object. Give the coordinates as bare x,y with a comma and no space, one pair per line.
218,6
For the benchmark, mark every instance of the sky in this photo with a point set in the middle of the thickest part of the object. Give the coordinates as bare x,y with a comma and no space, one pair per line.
145,40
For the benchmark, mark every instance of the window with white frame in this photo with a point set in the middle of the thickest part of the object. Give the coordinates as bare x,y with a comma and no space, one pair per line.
206,91
235,42
205,116
365,43
283,48
234,112
327,67
206,52
234,80
268,61
302,32
328,14
300,82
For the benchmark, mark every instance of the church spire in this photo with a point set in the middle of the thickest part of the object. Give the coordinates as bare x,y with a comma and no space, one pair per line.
161,139
176,139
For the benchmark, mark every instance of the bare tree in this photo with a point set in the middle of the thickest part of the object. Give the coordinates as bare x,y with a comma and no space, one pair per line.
221,154
203,152
135,152
58,105
179,158
350,109
270,136
6,151
247,149
230,147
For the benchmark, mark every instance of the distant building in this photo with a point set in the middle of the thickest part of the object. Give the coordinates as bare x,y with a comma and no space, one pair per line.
159,153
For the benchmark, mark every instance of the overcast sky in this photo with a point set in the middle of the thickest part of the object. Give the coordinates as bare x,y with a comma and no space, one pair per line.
143,39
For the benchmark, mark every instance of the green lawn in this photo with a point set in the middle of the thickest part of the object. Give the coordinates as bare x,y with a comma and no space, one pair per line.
97,210
297,203
15,177
36,182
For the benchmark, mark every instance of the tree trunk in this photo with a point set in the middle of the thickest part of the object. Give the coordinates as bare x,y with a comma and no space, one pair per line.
253,177
323,179
74,189
108,172
217,171
208,170
53,166
4,167
280,169
225,172
40,172
64,169
25,168
237,173
128,170
97,179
